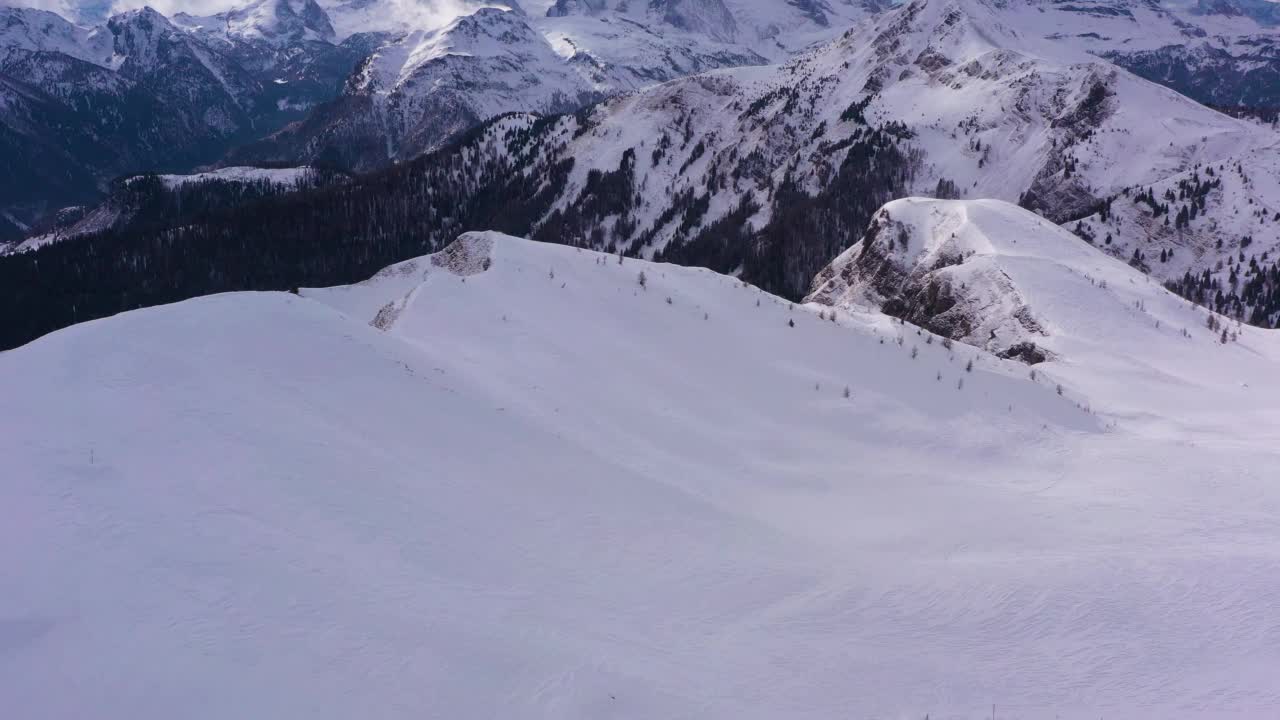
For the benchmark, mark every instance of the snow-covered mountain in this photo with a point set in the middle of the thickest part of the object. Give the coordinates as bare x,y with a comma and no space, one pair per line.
766,172
142,92
279,23
775,30
1212,52
200,85
1001,278
1212,232
409,96
770,171
515,479
422,89
392,18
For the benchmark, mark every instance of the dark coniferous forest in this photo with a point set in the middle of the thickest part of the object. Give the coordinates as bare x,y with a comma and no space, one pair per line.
211,237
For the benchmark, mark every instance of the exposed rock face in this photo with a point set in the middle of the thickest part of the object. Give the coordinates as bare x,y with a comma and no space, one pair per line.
951,267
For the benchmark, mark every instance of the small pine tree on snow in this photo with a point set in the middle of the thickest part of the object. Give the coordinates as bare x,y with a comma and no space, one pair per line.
968,367
914,352
791,323
847,393
644,281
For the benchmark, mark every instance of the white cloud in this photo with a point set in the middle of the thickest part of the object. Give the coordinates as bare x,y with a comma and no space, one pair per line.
65,8
171,7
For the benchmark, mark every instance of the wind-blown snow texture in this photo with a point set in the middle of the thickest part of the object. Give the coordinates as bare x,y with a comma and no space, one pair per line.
510,480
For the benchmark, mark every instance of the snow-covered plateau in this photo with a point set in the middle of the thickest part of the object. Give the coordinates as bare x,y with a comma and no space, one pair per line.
514,479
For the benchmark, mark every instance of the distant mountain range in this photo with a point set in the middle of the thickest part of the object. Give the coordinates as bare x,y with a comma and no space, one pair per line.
367,82
146,92
764,171
358,84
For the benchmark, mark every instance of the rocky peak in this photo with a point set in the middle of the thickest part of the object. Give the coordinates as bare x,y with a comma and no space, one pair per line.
280,21
710,18
142,36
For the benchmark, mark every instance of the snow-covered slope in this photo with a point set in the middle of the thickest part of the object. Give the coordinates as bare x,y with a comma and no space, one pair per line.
31,30
771,170
431,85
1208,51
420,90
276,176
456,64
999,113
1213,231
776,30
1211,51
788,27
996,276
510,480
400,17
276,22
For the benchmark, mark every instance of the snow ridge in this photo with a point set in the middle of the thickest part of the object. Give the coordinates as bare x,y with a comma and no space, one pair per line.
549,463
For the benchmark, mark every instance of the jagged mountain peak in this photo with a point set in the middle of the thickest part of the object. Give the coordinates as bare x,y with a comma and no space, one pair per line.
31,30
948,31
145,17
1264,12
399,17
142,26
144,38
279,21
711,18
487,32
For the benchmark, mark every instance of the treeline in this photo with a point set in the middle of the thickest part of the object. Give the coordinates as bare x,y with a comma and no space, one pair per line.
1251,292
504,175
186,244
